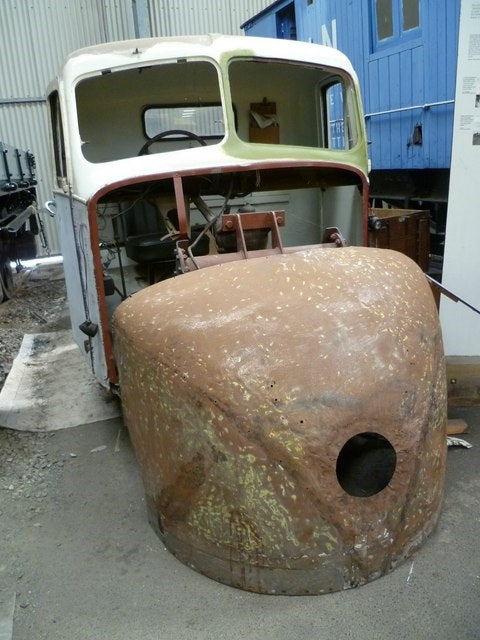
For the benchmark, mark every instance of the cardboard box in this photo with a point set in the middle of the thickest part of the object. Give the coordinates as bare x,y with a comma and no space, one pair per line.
265,135
268,135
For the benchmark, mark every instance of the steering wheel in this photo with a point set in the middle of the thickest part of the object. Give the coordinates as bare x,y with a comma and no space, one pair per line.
171,132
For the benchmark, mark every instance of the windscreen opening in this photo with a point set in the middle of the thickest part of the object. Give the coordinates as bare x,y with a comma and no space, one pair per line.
289,103
119,111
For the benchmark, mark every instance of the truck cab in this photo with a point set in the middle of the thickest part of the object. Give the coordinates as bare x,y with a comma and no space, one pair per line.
282,383
159,141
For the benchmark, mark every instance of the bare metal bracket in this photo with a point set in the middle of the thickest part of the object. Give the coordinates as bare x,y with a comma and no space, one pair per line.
450,294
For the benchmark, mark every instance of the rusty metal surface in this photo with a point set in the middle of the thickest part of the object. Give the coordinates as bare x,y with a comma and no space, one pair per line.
251,231
253,220
218,258
245,387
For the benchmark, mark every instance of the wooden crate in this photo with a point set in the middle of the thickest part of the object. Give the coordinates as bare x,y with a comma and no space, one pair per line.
404,230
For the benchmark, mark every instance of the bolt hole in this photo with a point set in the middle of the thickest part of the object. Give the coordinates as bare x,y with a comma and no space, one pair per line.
366,464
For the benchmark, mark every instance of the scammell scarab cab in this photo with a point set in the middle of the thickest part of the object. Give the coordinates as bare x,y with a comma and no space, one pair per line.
283,384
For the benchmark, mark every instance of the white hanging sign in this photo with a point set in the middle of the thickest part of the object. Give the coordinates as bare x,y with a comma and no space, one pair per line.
461,272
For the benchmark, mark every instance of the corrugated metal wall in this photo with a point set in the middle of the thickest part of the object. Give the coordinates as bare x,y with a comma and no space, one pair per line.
36,36
192,17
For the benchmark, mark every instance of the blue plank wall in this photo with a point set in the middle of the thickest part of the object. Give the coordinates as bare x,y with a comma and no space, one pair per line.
413,67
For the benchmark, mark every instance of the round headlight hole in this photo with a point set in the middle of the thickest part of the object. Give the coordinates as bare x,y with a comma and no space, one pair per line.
366,464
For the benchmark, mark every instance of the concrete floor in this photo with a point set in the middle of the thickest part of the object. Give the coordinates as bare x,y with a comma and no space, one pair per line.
86,565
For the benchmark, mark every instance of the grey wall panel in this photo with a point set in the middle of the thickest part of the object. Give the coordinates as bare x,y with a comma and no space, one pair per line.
118,19
35,37
202,16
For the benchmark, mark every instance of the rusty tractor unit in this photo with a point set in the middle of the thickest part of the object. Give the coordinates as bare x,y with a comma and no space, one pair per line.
283,384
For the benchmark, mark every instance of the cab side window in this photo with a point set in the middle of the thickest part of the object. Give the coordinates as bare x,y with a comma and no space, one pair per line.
58,140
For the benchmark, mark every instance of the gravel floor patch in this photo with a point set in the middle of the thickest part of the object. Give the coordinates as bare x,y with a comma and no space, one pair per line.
38,305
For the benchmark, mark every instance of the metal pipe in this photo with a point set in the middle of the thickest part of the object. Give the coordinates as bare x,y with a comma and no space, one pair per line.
21,100
20,219
418,106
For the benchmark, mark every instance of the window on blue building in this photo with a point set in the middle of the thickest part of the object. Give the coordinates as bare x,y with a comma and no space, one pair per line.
335,116
286,23
384,19
395,20
410,14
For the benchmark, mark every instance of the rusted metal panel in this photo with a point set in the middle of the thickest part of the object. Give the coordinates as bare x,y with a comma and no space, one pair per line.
288,414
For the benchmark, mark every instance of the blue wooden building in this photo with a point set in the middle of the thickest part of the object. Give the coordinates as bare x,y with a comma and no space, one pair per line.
405,53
